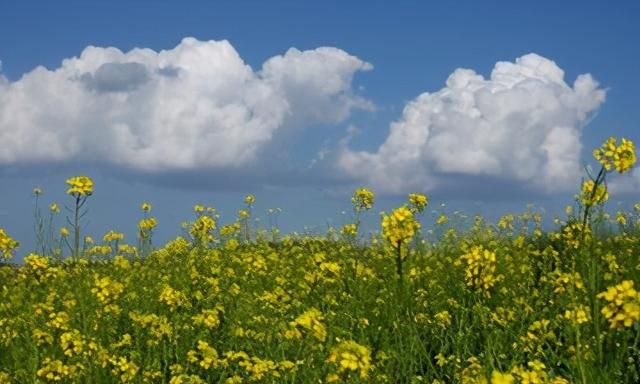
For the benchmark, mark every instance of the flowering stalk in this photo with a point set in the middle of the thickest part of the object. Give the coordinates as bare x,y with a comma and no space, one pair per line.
80,188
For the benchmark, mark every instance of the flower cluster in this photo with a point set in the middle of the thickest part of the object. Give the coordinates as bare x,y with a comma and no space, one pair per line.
621,157
400,226
418,202
590,197
480,273
350,356
202,228
623,305
80,186
310,320
362,199
7,245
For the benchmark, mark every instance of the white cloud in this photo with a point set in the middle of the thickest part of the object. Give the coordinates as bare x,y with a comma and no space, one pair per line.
195,106
626,184
521,124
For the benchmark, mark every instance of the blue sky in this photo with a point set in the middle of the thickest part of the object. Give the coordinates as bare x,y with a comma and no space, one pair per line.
325,119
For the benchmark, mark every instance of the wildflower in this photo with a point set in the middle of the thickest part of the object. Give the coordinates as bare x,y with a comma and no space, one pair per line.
578,315
249,199
243,214
37,191
498,377
106,289
621,157
442,219
56,370
205,356
64,232
54,208
146,207
80,186
172,297
481,266
418,202
198,208
311,320
362,199
350,356
147,225
588,197
201,228
400,226
506,222
349,229
126,370
623,305
210,318
7,245
113,236
443,319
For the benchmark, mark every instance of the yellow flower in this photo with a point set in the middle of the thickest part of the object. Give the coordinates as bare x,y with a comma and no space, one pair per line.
349,229
481,266
623,308
80,186
418,201
400,226
501,378
148,224
113,236
249,199
7,245
362,199
311,320
54,208
350,356
588,197
146,207
37,191
622,157
64,232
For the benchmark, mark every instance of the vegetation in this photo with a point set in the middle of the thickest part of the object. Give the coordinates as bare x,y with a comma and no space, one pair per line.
503,303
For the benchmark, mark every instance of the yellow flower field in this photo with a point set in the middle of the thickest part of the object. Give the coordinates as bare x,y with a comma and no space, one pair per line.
224,303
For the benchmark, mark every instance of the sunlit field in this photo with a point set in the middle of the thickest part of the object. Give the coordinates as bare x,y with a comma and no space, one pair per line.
498,303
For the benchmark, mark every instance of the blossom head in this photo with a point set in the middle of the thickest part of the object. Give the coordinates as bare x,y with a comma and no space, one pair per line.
249,199
64,232
146,207
7,245
589,197
400,226
54,208
619,157
418,202
362,199
80,186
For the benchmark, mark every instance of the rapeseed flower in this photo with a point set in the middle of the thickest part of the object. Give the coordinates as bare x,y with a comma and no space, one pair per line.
418,202
80,186
7,245
349,356
623,305
362,199
619,157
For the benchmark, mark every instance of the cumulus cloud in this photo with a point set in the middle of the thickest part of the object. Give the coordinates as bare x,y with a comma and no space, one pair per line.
523,124
196,106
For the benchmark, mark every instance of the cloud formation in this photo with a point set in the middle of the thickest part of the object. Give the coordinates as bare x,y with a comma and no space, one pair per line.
196,106
522,124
